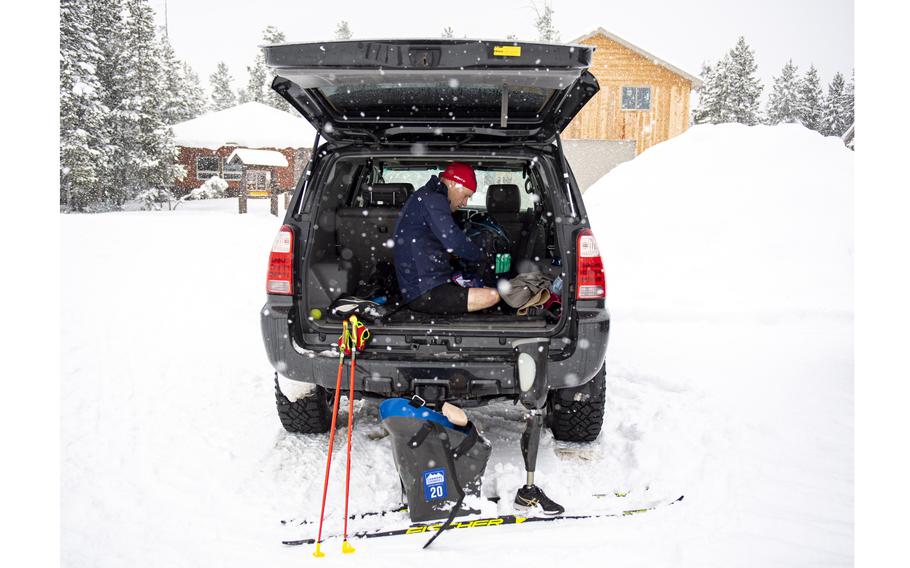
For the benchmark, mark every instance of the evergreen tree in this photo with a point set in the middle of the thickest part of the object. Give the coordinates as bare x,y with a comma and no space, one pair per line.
119,88
154,148
256,87
848,103
195,95
834,120
730,89
783,103
343,31
182,96
811,110
222,95
81,110
546,29
260,81
707,97
740,88
118,162
273,35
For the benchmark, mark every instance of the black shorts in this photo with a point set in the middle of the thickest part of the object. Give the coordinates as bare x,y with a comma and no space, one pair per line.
448,298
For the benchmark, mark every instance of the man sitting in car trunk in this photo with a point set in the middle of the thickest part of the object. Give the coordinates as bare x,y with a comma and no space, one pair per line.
425,237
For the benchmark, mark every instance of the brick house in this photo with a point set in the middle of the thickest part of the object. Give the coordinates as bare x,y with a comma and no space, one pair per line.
205,143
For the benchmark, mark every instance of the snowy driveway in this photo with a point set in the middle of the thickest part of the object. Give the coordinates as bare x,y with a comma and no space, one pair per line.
172,454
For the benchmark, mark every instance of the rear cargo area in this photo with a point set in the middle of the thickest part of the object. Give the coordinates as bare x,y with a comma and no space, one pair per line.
357,208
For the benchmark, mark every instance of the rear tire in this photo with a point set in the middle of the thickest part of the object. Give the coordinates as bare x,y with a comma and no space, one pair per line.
311,414
577,414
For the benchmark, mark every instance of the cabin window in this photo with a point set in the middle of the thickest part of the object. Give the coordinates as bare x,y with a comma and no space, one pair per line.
233,171
207,166
257,180
636,98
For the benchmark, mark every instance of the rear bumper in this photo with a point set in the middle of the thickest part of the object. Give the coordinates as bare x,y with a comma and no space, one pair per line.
444,374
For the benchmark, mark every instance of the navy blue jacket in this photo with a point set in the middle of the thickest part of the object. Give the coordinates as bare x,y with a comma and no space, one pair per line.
425,236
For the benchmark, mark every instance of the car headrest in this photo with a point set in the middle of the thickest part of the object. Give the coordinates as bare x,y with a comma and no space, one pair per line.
387,194
503,198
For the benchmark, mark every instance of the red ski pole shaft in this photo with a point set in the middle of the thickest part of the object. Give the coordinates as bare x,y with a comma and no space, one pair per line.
355,344
347,548
328,461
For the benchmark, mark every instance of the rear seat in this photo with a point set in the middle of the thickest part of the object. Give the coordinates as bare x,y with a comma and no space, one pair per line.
364,231
504,208
387,194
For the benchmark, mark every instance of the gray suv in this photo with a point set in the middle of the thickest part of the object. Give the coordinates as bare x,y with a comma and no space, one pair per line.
389,114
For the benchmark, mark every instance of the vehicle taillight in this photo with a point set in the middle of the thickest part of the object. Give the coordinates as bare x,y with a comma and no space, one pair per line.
280,279
590,283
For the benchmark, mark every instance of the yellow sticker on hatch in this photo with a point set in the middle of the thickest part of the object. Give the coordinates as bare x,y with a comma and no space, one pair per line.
507,50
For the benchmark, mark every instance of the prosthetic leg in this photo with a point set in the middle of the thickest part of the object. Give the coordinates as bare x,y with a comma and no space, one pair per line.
530,495
532,379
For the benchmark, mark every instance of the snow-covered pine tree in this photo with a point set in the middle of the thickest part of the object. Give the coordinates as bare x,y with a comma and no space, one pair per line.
546,29
848,104
183,100
783,103
740,88
258,84
273,35
195,95
343,31
447,33
255,90
155,149
222,95
81,110
707,100
834,120
119,160
810,100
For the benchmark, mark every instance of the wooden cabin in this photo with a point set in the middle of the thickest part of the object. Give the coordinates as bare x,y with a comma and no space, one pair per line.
642,97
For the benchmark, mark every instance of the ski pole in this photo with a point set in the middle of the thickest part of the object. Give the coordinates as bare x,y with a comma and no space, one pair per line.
359,336
343,346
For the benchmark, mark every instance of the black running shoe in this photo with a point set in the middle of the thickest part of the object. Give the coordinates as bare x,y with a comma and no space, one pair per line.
531,496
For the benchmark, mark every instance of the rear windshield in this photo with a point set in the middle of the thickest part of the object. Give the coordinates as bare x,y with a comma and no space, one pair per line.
445,98
418,176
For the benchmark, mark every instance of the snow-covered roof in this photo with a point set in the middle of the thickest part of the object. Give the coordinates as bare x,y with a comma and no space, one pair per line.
696,82
253,125
251,157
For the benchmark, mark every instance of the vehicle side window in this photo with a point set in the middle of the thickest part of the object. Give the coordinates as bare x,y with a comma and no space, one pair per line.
336,184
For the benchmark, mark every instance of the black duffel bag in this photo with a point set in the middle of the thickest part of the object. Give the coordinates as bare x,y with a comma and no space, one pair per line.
438,462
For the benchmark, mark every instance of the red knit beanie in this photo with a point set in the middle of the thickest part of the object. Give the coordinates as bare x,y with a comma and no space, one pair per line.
461,173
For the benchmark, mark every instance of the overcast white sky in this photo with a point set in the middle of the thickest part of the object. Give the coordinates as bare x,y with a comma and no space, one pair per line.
682,33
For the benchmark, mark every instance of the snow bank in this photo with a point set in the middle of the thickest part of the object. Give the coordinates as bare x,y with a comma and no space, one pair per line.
728,253
729,219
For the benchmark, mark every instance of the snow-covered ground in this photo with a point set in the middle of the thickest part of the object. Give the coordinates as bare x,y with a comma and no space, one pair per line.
728,253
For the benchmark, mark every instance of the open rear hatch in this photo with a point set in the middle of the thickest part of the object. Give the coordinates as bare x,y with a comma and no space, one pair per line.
393,91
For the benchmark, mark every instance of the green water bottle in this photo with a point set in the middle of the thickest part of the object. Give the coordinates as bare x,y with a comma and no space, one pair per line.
503,262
